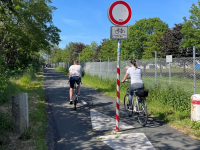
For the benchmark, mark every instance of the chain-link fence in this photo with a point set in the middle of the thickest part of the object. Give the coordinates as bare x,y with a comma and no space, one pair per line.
183,72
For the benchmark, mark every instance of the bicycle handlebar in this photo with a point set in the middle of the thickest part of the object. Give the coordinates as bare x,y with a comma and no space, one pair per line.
126,81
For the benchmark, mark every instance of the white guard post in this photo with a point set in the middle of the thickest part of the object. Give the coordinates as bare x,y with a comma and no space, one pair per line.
118,84
195,107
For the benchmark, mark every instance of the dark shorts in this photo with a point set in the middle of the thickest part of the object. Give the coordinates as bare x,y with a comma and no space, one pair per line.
72,80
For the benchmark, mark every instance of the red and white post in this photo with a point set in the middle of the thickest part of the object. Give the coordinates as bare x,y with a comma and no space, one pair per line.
118,84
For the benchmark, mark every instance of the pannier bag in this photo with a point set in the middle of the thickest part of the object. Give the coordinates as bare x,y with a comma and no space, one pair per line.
142,93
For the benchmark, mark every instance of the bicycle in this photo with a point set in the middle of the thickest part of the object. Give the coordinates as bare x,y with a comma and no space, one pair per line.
119,31
75,95
139,107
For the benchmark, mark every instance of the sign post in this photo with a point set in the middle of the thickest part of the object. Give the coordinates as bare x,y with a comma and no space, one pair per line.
119,14
169,60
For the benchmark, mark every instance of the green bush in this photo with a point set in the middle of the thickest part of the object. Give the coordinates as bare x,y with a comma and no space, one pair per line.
3,78
26,79
7,87
195,125
171,96
6,122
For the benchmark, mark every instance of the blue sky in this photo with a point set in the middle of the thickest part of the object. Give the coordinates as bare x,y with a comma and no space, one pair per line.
86,20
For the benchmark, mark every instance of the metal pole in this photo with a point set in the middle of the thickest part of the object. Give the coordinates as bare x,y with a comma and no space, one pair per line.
108,67
118,84
79,58
194,69
169,73
93,67
133,56
156,68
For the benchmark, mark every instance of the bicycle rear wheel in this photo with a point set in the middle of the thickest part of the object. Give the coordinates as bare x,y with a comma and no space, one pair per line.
74,97
129,112
142,113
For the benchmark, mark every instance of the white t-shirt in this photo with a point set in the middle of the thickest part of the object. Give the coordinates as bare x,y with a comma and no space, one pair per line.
135,74
75,70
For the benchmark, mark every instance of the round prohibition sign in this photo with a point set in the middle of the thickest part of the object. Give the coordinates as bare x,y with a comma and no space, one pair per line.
119,13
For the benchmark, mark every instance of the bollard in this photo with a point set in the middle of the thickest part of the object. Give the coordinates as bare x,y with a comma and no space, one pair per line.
20,114
195,107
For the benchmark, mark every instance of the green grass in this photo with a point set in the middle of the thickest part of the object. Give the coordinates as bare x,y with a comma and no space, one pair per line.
62,70
31,83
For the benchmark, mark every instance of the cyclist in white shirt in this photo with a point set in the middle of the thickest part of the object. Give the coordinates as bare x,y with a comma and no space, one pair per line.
75,74
136,78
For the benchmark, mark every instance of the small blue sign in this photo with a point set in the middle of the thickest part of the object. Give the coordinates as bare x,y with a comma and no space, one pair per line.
197,66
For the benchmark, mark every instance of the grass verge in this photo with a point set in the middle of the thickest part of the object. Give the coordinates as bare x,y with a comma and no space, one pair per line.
170,104
33,137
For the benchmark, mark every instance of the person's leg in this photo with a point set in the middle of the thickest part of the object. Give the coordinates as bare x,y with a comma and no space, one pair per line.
131,89
78,86
71,89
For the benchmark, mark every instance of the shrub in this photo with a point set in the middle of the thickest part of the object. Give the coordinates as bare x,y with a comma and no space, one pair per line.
3,78
172,96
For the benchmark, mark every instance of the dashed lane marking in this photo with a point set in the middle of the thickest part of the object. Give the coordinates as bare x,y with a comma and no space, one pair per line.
83,102
131,141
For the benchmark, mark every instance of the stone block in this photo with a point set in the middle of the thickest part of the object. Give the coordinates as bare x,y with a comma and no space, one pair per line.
20,114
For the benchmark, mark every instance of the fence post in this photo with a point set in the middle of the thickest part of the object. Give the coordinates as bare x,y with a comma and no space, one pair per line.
169,73
100,67
108,67
156,68
93,67
194,69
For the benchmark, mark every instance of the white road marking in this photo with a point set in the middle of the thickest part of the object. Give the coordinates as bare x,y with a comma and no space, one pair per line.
83,102
104,122
131,141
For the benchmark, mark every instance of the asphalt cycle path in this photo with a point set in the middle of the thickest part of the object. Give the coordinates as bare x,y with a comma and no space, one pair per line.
89,125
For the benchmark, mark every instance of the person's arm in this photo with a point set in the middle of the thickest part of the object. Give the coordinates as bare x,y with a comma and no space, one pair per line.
125,77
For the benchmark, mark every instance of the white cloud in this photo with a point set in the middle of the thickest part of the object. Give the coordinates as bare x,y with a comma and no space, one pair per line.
63,38
71,22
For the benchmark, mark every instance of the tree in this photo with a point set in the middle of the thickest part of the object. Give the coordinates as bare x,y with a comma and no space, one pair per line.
108,49
86,54
98,50
93,46
191,31
141,30
26,29
58,56
152,45
171,42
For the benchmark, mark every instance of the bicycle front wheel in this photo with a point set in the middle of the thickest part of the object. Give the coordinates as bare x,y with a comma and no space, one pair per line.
142,113
129,111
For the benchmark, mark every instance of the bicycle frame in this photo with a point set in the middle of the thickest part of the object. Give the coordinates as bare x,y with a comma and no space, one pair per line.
137,102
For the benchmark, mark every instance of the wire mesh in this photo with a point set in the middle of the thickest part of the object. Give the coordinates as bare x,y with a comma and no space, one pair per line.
181,71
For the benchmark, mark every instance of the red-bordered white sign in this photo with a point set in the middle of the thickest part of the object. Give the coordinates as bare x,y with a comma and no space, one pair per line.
119,13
